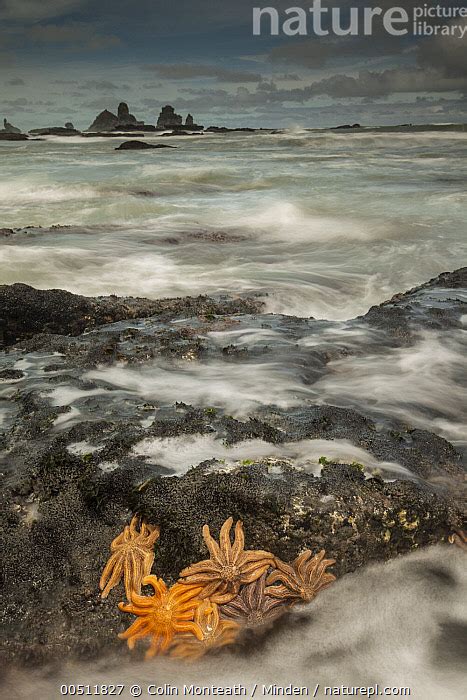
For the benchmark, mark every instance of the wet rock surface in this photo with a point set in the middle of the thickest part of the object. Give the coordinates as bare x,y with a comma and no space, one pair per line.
88,440
55,540
436,305
140,146
55,131
26,311
9,136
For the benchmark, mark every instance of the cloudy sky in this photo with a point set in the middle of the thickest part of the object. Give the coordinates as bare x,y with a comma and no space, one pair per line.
66,60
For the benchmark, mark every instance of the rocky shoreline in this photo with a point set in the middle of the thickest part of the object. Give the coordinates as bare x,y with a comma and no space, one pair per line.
62,506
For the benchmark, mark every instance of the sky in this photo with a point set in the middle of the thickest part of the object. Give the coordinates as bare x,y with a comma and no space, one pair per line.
66,60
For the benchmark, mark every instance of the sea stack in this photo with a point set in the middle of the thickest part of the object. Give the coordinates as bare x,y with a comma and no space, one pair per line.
168,119
190,124
9,128
105,121
125,118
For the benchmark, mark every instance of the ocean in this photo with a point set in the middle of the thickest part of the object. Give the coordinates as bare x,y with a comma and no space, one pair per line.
321,224
326,223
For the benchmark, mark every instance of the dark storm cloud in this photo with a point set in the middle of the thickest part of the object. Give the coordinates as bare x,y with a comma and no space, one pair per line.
33,10
291,77
21,102
391,81
98,104
439,67
148,15
310,53
182,41
446,54
187,71
347,110
433,64
373,84
317,52
76,35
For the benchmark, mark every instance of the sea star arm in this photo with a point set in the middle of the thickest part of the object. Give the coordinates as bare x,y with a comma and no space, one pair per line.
213,547
205,567
302,561
224,540
111,575
239,541
255,555
156,583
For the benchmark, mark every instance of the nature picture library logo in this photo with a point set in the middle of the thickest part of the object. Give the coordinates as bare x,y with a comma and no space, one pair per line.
323,18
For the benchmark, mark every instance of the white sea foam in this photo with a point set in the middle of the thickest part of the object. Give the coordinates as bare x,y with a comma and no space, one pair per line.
180,453
236,388
305,282
68,417
288,221
246,336
423,385
81,448
66,395
3,417
20,192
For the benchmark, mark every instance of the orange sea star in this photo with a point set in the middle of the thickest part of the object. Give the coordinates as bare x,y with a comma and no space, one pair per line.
229,567
301,580
216,633
132,558
161,615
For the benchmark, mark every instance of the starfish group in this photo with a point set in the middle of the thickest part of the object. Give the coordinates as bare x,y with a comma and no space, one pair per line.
214,599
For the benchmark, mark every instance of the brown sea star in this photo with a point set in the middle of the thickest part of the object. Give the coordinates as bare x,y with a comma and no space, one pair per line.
301,580
252,607
229,567
161,615
216,633
132,558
